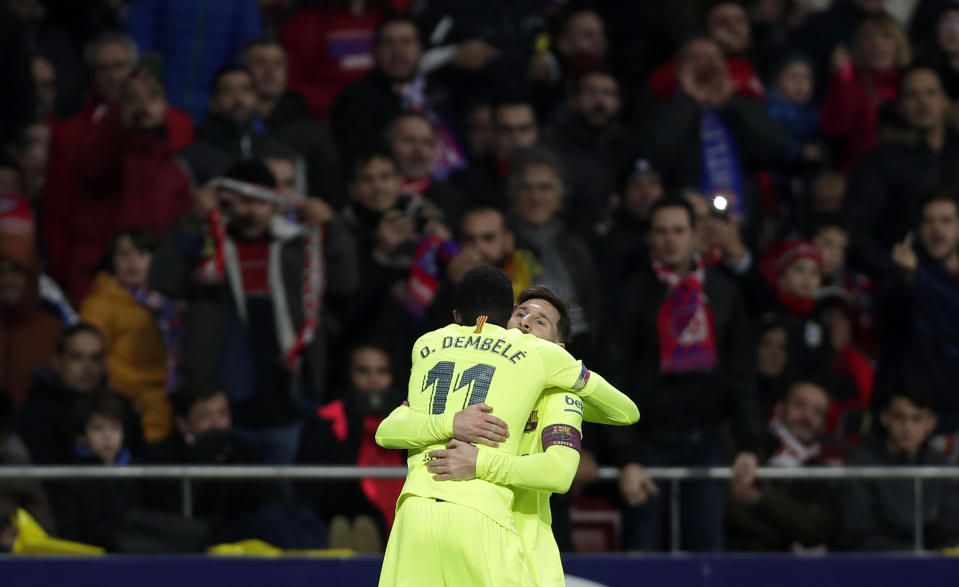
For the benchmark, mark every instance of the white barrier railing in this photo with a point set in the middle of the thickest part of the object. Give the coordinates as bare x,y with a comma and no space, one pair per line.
674,475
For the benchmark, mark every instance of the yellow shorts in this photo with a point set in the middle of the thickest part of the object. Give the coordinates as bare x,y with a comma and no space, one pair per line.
443,543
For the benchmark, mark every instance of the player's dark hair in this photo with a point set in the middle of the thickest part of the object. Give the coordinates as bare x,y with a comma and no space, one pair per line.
564,327
74,329
190,394
673,202
485,290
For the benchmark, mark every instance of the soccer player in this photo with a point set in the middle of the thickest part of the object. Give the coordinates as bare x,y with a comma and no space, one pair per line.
550,443
469,534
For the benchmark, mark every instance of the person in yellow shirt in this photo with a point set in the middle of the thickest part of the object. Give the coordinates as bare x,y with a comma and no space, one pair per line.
550,444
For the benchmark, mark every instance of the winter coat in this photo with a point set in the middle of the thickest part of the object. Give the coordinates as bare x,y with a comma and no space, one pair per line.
593,162
675,147
215,333
682,406
850,112
920,337
194,39
136,358
28,332
881,204
787,513
219,144
877,515
327,49
102,179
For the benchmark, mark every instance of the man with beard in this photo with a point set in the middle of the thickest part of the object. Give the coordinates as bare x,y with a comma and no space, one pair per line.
920,341
258,289
593,146
412,139
784,515
360,513
231,129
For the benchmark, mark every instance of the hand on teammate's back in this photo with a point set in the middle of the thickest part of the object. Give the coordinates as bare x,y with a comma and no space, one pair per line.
457,462
476,424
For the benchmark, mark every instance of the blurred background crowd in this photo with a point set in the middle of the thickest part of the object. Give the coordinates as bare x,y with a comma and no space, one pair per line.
749,205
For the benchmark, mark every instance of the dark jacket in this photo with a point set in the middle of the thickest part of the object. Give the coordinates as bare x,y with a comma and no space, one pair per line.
44,422
291,123
584,279
788,512
822,31
675,147
93,510
592,162
681,407
920,337
878,515
484,183
214,337
219,144
623,250
217,502
362,111
882,201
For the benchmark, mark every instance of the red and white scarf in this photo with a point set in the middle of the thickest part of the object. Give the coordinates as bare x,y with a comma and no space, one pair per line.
213,268
687,331
791,452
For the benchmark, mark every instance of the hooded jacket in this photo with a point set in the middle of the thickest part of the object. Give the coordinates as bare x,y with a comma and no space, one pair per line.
136,359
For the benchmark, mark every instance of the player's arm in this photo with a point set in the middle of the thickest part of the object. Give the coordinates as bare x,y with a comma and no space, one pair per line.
608,405
408,428
551,470
554,468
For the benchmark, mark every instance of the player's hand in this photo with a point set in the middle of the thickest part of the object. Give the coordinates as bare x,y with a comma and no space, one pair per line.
744,468
635,485
476,424
458,461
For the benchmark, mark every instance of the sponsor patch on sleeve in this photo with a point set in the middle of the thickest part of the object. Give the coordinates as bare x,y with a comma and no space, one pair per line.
583,379
563,435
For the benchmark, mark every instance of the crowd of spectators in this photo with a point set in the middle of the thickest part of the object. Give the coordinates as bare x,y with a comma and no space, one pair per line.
750,205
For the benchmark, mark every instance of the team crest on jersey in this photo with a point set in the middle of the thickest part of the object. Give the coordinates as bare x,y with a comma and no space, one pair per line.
532,422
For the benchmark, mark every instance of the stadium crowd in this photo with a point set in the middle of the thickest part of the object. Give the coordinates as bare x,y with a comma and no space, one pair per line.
750,206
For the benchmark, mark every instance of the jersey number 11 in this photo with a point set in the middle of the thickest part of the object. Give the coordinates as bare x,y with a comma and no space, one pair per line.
442,375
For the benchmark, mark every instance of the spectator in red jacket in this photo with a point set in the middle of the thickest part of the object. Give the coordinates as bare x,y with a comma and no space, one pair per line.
74,210
728,24
127,175
859,85
329,45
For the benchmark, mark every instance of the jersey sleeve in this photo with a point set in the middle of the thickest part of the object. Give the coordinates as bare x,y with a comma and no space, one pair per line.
554,468
408,428
608,405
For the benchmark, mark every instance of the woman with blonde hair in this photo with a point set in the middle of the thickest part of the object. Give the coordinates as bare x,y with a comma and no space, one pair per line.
860,83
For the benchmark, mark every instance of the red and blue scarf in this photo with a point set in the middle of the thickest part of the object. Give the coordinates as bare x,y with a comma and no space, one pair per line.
169,320
687,331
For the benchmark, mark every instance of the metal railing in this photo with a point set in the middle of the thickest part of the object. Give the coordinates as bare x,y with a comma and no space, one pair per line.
674,475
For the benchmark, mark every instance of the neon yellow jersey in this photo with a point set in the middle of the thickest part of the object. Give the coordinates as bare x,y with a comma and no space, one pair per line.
456,366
